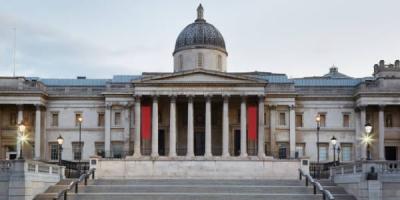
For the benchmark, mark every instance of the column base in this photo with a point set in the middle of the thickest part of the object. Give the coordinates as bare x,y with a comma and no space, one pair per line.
154,155
243,155
226,155
172,155
208,155
137,155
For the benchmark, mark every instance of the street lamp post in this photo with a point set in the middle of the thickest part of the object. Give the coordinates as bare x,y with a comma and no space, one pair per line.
80,119
333,141
338,155
21,138
318,120
60,141
367,138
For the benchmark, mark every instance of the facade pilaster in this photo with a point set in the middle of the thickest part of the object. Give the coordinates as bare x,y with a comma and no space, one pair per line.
243,128
208,128
172,127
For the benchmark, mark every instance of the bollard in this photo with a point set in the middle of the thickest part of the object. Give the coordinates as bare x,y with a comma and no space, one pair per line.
315,189
86,180
65,195
76,188
299,175
93,174
306,181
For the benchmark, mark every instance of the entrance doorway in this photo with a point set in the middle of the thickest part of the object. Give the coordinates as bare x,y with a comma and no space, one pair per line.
199,144
391,153
236,139
161,142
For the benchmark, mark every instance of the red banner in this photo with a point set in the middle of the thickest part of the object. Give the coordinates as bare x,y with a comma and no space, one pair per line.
252,122
146,122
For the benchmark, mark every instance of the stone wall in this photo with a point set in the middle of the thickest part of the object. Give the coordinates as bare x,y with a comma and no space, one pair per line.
210,169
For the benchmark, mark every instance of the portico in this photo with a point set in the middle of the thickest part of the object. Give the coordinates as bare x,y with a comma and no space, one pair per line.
193,99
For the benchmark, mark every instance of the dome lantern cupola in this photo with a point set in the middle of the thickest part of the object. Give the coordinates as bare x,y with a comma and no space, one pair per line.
200,45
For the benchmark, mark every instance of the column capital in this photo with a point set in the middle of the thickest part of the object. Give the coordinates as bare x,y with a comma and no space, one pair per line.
272,107
137,97
243,97
154,97
208,96
38,106
20,107
226,97
108,105
261,97
381,107
292,107
362,107
172,98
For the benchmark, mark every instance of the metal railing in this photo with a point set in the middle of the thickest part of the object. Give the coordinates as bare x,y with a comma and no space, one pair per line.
75,185
326,194
384,167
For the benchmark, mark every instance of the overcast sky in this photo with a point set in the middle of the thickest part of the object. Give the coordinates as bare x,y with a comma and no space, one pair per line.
102,38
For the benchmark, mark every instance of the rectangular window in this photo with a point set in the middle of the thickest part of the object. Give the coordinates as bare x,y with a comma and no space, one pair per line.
300,150
200,60
388,120
77,117
54,119
346,120
53,151
322,122
13,118
76,151
346,151
323,152
99,149
282,119
100,119
117,118
117,149
299,120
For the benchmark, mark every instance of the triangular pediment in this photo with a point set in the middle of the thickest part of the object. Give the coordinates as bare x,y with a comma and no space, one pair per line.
200,76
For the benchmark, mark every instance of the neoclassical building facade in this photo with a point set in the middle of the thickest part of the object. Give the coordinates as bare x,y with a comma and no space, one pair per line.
200,110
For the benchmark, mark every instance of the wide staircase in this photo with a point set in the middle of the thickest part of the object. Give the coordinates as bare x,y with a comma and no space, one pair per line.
195,189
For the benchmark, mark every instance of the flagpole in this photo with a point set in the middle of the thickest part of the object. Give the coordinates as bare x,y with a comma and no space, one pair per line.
15,49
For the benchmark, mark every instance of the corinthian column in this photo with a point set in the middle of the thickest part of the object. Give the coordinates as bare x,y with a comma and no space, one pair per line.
154,128
225,127
243,129
136,144
261,134
172,127
292,131
190,136
208,127
37,132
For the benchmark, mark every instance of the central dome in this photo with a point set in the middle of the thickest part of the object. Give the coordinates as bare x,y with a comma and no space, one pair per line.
200,45
200,34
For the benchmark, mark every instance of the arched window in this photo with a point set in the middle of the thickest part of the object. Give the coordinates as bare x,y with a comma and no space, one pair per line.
219,62
181,62
200,60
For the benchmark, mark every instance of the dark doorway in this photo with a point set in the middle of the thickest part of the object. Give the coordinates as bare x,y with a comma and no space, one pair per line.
282,151
199,145
391,153
236,143
161,142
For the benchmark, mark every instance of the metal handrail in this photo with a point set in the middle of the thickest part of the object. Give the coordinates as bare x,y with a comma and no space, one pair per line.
326,194
75,184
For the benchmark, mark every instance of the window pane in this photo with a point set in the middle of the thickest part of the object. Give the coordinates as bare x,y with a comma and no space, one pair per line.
346,120
282,119
53,151
299,150
322,120
54,119
346,153
76,151
117,119
100,121
323,152
299,120
99,149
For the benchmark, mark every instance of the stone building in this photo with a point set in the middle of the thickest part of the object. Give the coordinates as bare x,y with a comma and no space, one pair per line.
202,111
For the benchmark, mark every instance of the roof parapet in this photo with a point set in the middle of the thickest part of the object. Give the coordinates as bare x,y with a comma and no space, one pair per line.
383,70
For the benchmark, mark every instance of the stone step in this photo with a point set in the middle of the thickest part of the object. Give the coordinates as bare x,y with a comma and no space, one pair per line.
205,189
197,182
193,196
